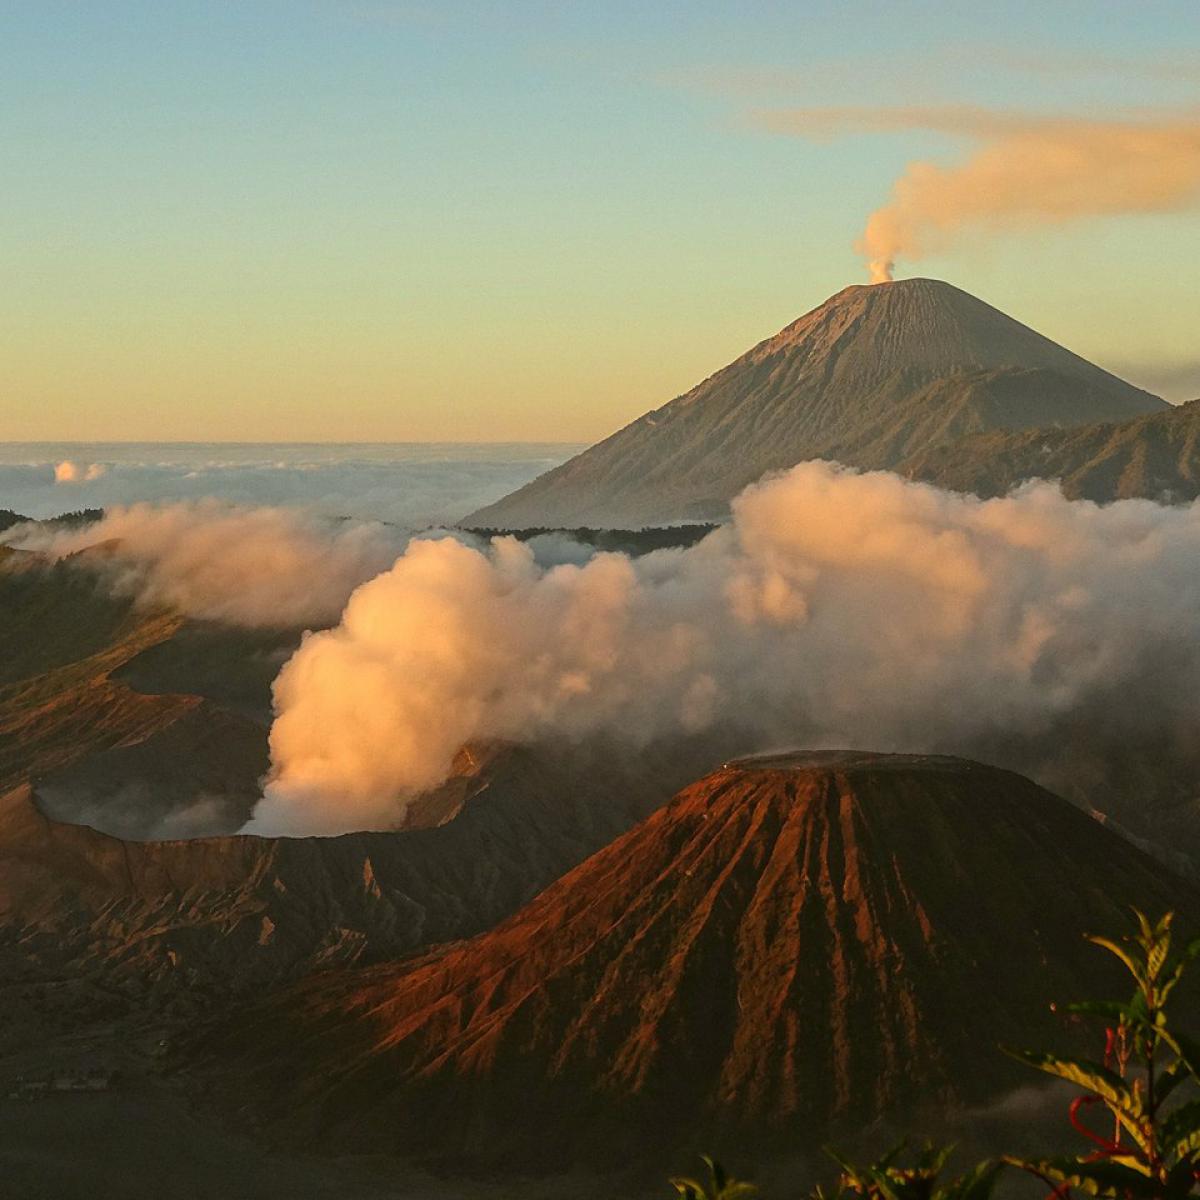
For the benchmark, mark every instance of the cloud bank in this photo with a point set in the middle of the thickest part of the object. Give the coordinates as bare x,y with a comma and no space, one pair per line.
414,485
1023,171
836,609
259,567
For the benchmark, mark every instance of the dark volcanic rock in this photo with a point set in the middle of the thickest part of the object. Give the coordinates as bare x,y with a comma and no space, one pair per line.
209,918
796,945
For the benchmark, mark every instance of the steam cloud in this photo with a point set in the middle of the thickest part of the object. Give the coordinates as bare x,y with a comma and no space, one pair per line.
836,609
268,567
1025,171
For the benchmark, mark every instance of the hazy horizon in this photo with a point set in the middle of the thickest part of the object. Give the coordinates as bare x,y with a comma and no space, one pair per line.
415,484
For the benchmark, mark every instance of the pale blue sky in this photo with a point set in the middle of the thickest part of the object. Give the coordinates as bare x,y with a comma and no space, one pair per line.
326,219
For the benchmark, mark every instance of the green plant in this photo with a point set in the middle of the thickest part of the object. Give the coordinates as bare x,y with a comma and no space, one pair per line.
719,1186
886,1179
1154,1147
1148,1084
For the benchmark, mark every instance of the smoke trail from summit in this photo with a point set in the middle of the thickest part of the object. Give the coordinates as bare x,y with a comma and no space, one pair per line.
1023,171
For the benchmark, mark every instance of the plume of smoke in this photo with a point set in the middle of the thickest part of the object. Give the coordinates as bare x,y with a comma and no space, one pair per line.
267,567
1024,171
836,609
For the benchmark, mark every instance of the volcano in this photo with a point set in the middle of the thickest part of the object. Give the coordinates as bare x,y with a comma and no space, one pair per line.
793,946
872,376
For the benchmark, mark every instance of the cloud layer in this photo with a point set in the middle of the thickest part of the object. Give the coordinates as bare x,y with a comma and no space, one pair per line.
835,610
408,485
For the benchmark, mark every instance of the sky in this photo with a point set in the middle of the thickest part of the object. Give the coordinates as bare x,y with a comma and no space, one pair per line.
358,220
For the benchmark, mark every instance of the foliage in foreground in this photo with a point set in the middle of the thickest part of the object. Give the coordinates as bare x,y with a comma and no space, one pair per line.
1138,1107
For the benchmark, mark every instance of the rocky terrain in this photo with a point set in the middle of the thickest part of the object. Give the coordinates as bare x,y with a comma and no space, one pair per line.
188,924
138,760
871,377
796,947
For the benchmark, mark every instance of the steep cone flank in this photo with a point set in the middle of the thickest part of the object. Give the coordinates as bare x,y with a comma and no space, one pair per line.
790,946
872,375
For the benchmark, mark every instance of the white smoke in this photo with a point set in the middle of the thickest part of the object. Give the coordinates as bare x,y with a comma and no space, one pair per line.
268,567
1022,171
837,609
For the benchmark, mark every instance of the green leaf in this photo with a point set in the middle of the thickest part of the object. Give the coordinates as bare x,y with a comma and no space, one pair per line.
933,1159
1180,1132
1171,1078
1188,1050
1134,967
1145,929
976,1184
1111,1010
1100,1178
738,1190
1093,1076
1180,1178
1175,973
719,1177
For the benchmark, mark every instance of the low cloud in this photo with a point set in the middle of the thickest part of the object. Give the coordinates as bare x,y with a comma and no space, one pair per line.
72,472
414,486
267,567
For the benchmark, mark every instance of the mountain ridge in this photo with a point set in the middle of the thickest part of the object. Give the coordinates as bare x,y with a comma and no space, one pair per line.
1155,457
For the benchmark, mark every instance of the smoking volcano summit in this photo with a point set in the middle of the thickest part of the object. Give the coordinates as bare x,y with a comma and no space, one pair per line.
874,375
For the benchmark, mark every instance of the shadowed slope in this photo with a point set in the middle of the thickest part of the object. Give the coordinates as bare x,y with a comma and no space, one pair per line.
873,374
1156,457
212,917
791,946
103,751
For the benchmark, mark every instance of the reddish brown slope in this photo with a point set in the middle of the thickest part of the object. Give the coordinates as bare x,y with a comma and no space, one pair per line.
788,947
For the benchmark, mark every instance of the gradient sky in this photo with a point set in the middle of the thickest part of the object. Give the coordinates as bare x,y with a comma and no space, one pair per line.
331,220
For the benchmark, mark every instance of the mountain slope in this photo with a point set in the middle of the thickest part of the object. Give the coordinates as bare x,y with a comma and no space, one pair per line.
793,946
835,383
1156,457
213,917
124,758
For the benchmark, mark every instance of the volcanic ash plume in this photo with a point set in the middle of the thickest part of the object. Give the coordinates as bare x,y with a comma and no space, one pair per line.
836,609
1035,172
